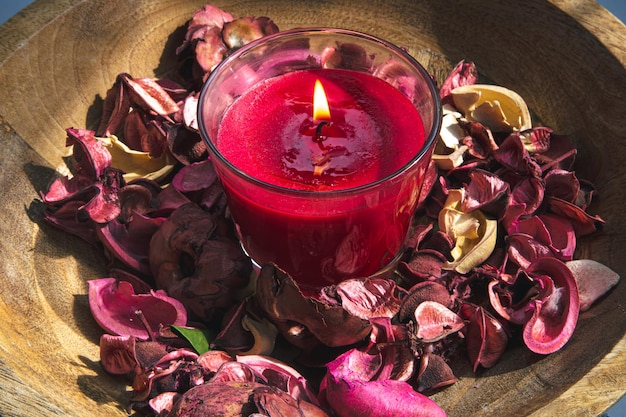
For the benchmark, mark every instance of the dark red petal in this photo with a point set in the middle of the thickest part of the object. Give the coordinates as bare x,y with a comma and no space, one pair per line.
562,184
117,354
523,249
584,224
434,373
487,192
66,218
486,337
130,242
515,157
369,297
420,292
562,235
529,192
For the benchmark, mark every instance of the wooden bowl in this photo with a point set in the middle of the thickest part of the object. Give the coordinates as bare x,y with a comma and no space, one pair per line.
59,57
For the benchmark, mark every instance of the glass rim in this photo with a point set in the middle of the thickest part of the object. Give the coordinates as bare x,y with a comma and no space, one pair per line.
428,143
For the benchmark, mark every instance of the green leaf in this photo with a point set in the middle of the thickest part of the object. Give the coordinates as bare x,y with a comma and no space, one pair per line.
198,338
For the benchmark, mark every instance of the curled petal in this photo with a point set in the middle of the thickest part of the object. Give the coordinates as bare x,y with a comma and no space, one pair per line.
434,373
130,242
562,184
529,192
474,235
584,224
515,157
463,73
137,164
280,375
91,157
118,310
556,313
487,192
562,236
148,94
536,139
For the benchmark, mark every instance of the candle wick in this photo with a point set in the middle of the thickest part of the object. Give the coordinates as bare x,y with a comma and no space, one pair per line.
318,137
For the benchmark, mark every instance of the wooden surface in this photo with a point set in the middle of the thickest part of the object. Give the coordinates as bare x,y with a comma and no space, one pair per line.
58,58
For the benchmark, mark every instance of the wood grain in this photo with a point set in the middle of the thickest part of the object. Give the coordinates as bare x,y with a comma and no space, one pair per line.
567,58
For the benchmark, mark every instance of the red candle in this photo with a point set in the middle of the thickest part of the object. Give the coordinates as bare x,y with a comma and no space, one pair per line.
270,133
330,195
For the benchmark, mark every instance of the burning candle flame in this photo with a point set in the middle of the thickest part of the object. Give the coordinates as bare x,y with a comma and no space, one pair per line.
321,111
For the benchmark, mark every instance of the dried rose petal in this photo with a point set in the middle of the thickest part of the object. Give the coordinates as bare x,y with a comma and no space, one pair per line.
435,321
594,280
584,224
523,249
120,311
219,399
536,139
515,157
486,337
130,242
562,184
556,313
148,94
212,360
209,48
117,354
420,292
186,145
562,235
280,375
280,298
234,371
487,192
434,373
561,154
277,403
367,298
463,73
354,398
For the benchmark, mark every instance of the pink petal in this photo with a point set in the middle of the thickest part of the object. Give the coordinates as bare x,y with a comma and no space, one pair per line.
435,321
594,280
556,313
389,398
115,307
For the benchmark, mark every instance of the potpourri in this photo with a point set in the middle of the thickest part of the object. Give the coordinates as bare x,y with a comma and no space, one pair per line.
197,332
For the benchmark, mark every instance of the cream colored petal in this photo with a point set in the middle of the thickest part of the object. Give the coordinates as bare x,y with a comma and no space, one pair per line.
137,164
512,106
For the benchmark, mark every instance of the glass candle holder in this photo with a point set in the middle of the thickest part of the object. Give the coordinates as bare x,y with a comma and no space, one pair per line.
325,197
